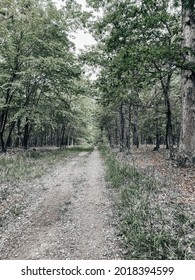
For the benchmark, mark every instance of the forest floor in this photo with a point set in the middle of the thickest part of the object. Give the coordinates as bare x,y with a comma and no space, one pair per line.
158,164
157,207
67,213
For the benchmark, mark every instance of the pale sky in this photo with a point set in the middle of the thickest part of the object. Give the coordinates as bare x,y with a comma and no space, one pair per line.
82,2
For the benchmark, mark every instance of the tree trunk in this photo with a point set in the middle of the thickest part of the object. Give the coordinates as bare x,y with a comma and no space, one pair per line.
157,130
26,134
122,127
101,134
187,139
116,133
135,127
2,130
169,128
2,142
109,136
51,137
8,99
19,134
62,135
128,133
57,137
9,138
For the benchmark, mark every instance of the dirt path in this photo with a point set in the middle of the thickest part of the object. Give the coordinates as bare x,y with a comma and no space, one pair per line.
67,215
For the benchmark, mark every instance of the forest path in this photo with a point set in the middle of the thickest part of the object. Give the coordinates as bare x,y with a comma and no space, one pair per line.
68,215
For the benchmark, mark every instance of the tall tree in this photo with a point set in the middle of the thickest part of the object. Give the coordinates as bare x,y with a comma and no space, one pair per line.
187,140
139,39
39,73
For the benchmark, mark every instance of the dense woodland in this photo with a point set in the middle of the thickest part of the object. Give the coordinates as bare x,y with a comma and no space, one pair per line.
144,92
44,98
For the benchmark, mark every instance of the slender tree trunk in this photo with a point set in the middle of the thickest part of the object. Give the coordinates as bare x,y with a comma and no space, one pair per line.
62,135
169,128
122,126
142,137
57,136
68,144
187,138
19,133
109,136
51,137
101,134
27,129
35,141
2,142
3,123
9,138
25,137
157,130
135,126
69,135
8,99
157,136
45,142
128,134
116,133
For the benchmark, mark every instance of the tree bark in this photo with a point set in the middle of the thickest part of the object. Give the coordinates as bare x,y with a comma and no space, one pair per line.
128,133
187,138
157,130
4,117
62,135
8,98
169,128
122,127
135,127
109,136
116,133
9,138
19,134
27,129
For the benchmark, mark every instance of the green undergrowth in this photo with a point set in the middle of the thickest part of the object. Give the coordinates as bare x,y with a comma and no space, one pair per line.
22,165
150,228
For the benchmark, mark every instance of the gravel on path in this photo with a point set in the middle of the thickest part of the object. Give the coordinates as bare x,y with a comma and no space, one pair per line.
68,214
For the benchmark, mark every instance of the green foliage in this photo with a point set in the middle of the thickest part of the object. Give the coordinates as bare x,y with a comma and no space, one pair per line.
139,47
40,79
